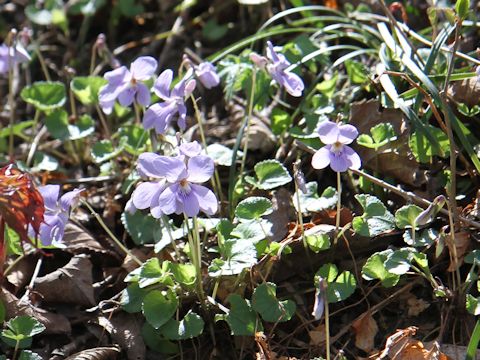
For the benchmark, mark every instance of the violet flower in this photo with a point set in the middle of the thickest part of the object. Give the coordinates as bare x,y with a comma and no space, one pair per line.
207,74
159,116
336,153
9,56
126,85
190,149
57,212
184,194
276,65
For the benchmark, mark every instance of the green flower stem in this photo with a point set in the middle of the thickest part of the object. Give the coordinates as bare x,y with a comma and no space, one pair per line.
104,122
172,241
217,187
110,233
327,324
11,105
249,122
339,206
42,63
195,255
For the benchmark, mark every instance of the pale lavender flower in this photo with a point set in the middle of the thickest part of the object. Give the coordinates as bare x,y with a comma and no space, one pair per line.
159,116
9,56
336,152
57,212
126,85
207,74
277,68
184,194
146,195
190,149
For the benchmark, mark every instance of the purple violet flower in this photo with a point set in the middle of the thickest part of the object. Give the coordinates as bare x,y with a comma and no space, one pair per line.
336,152
159,116
10,56
176,189
57,211
126,85
207,74
292,83
190,149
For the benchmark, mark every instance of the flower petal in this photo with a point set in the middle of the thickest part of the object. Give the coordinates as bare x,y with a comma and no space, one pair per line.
347,133
70,199
191,204
182,116
167,202
321,159
190,149
158,116
144,194
293,84
143,95
162,84
127,95
339,162
206,198
143,68
146,165
354,159
50,196
178,90
200,168
328,132
207,74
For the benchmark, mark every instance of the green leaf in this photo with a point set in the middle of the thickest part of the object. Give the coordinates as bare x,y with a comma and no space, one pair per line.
356,72
143,229
270,174
221,154
155,340
2,312
462,8
212,31
86,88
328,87
38,16
187,328
44,162
376,219
130,8
103,151
338,287
17,128
132,298
381,134
237,255
318,242
59,127
473,257
425,238
29,355
152,273
253,207
159,306
183,273
241,318
398,262
473,305
21,329
85,7
423,149
374,268
311,201
45,95
265,302
405,217
281,121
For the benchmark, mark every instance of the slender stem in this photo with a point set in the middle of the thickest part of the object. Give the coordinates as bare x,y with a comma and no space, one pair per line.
339,205
93,58
11,105
14,263
15,351
327,325
216,180
42,63
172,241
300,216
249,122
104,123
198,253
110,233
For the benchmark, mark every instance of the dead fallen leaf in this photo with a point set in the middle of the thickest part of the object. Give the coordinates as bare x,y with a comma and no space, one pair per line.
283,213
54,323
365,329
393,160
21,274
416,305
71,284
317,335
462,243
466,91
99,353
264,352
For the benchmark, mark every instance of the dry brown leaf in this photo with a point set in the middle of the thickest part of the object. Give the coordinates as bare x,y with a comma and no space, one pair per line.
283,213
54,323
71,284
264,352
365,329
416,305
21,274
462,243
99,353
317,335
466,91
394,160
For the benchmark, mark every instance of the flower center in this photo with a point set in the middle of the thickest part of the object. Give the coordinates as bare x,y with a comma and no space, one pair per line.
337,147
185,187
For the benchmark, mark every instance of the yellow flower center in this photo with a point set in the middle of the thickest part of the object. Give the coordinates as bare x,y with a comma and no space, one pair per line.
337,147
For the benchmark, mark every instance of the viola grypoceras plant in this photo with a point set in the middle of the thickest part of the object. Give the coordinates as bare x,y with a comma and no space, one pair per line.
11,55
277,66
127,85
159,115
21,206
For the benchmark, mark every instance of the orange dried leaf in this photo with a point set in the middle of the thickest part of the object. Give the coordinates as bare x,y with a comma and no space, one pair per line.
365,329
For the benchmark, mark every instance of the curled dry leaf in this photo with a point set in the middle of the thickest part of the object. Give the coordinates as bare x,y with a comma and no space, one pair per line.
365,328
416,305
99,353
71,284
462,243
466,91
54,323
283,212
317,335
394,160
